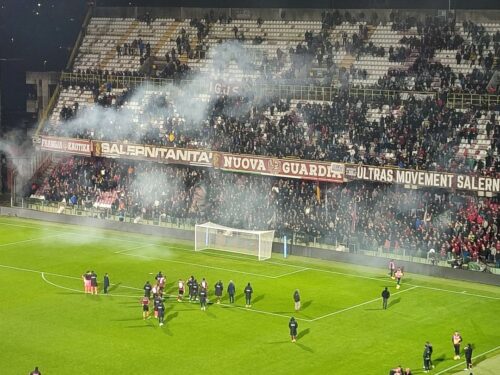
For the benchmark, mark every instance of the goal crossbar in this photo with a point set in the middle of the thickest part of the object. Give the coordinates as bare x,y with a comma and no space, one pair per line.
219,237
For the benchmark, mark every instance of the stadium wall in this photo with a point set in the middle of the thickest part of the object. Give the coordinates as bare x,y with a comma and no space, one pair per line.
188,235
290,14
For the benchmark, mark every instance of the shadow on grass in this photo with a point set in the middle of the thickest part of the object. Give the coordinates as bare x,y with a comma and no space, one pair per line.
303,333
258,298
239,296
141,326
305,305
394,302
438,360
279,342
171,317
304,347
113,287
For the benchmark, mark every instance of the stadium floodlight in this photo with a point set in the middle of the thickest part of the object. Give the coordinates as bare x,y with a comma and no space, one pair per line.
219,237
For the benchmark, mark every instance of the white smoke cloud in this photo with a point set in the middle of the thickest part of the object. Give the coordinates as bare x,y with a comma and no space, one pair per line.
188,102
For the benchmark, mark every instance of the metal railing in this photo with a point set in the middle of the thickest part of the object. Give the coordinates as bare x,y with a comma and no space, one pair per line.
287,91
461,100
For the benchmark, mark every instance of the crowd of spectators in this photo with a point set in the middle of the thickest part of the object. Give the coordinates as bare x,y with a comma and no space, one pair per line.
423,134
435,34
437,223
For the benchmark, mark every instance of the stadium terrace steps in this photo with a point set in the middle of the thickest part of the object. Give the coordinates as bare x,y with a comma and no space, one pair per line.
167,36
347,61
123,39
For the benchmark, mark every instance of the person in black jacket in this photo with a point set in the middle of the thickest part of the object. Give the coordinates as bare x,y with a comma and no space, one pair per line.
293,325
230,291
219,288
248,295
203,299
468,356
161,312
106,283
427,356
385,297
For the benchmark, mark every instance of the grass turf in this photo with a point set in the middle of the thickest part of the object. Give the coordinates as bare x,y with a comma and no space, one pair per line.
47,320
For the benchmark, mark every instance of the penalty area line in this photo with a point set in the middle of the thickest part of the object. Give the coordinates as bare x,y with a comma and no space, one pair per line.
463,362
359,305
249,309
133,248
291,273
199,265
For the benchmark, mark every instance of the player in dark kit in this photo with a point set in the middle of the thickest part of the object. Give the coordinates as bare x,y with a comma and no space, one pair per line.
156,302
248,295
219,287
190,283
203,299
147,289
106,283
231,289
194,290
468,357
427,356
385,297
35,371
161,312
293,325
93,282
145,307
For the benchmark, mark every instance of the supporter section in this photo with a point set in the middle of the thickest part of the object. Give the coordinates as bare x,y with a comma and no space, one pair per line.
458,227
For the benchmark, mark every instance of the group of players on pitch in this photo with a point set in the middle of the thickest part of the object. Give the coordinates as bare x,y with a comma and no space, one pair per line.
198,291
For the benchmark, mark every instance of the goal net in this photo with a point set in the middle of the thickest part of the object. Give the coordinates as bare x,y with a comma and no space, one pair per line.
218,237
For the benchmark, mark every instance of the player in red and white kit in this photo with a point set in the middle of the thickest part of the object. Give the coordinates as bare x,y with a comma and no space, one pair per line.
86,282
398,275
145,307
181,290
161,283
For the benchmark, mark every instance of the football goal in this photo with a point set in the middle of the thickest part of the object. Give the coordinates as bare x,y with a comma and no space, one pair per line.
218,237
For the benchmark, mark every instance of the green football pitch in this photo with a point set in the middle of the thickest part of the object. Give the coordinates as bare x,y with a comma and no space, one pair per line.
48,321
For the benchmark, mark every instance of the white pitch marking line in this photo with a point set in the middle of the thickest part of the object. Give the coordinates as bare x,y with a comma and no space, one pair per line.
134,248
225,305
199,265
31,239
291,273
79,291
284,264
462,363
463,293
359,305
58,275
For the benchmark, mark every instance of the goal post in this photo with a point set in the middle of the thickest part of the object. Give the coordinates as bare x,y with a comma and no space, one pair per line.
241,241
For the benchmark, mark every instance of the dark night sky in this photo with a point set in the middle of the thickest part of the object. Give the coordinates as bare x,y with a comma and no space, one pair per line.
40,30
